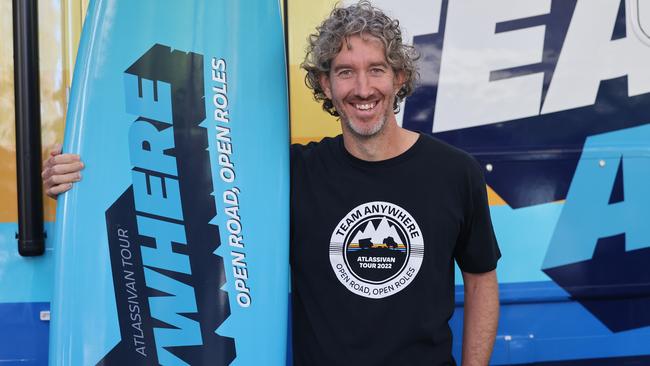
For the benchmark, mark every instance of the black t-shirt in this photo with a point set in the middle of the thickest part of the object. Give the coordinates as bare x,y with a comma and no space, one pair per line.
373,247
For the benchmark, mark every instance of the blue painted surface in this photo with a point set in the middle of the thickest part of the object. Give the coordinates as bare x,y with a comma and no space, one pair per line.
588,214
23,336
24,279
25,290
523,235
551,328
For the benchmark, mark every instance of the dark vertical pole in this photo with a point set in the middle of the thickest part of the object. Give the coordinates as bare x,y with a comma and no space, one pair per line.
287,60
28,128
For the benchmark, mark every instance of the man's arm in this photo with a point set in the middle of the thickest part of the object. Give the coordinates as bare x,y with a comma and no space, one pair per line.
481,317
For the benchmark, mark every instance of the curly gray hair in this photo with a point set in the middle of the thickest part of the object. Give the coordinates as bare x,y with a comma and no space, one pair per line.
361,18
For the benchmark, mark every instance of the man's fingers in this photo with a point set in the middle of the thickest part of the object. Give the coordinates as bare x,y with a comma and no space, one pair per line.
66,168
57,190
60,159
64,159
59,169
58,179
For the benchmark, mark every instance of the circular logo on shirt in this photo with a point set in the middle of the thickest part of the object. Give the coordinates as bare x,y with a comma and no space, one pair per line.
376,250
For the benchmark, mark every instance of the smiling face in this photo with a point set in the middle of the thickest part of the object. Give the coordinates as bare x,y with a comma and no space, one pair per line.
362,86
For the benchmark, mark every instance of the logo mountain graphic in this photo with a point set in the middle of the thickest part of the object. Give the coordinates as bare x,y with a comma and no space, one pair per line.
377,235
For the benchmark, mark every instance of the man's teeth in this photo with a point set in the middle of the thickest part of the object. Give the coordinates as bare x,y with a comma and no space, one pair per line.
365,107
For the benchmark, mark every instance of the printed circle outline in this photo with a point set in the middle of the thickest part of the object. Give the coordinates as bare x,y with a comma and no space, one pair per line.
337,251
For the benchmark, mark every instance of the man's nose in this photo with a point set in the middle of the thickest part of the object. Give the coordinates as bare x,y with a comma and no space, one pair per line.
363,88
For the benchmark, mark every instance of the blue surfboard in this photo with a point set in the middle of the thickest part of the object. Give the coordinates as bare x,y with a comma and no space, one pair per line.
173,249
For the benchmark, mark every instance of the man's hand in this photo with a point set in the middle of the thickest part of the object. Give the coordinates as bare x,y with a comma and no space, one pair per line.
481,317
60,171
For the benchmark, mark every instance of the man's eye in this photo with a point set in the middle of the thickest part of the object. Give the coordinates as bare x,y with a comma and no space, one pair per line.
345,73
377,71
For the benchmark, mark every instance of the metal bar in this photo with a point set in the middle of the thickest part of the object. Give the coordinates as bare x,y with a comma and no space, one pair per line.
285,19
31,238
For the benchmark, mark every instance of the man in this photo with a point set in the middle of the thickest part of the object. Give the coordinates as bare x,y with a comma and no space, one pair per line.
378,214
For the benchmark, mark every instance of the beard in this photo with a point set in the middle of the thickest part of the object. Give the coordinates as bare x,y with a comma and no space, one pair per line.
358,129
364,133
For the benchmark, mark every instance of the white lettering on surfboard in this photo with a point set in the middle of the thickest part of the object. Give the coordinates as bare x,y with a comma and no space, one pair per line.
227,174
132,291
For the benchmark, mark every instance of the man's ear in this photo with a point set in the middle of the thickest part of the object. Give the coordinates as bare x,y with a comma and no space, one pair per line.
325,84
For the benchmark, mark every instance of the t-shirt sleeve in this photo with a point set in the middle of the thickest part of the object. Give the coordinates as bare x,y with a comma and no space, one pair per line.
476,250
